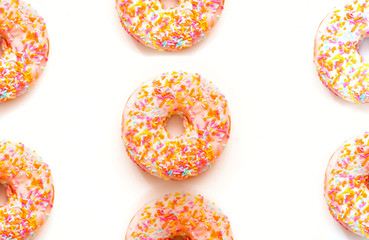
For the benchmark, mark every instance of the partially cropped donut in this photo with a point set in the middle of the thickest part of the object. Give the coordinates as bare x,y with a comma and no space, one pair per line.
25,46
179,216
30,191
346,185
340,66
206,119
169,29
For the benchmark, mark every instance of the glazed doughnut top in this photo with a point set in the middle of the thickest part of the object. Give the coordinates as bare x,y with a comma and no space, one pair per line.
169,29
339,64
30,191
346,185
29,188
180,216
206,119
25,43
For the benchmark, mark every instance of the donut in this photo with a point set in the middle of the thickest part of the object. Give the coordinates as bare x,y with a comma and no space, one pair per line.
25,46
30,191
205,114
340,66
179,217
346,185
170,29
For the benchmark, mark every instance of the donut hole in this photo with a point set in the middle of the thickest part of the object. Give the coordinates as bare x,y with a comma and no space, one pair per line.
169,3
174,126
363,49
3,194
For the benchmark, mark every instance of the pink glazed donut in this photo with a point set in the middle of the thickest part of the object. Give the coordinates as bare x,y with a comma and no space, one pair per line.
25,45
206,119
30,191
346,185
340,66
169,29
179,217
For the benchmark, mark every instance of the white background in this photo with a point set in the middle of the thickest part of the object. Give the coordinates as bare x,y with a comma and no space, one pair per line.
285,123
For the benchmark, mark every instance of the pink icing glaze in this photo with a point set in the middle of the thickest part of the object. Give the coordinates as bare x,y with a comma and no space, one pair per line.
346,185
25,43
206,119
179,216
169,29
30,191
